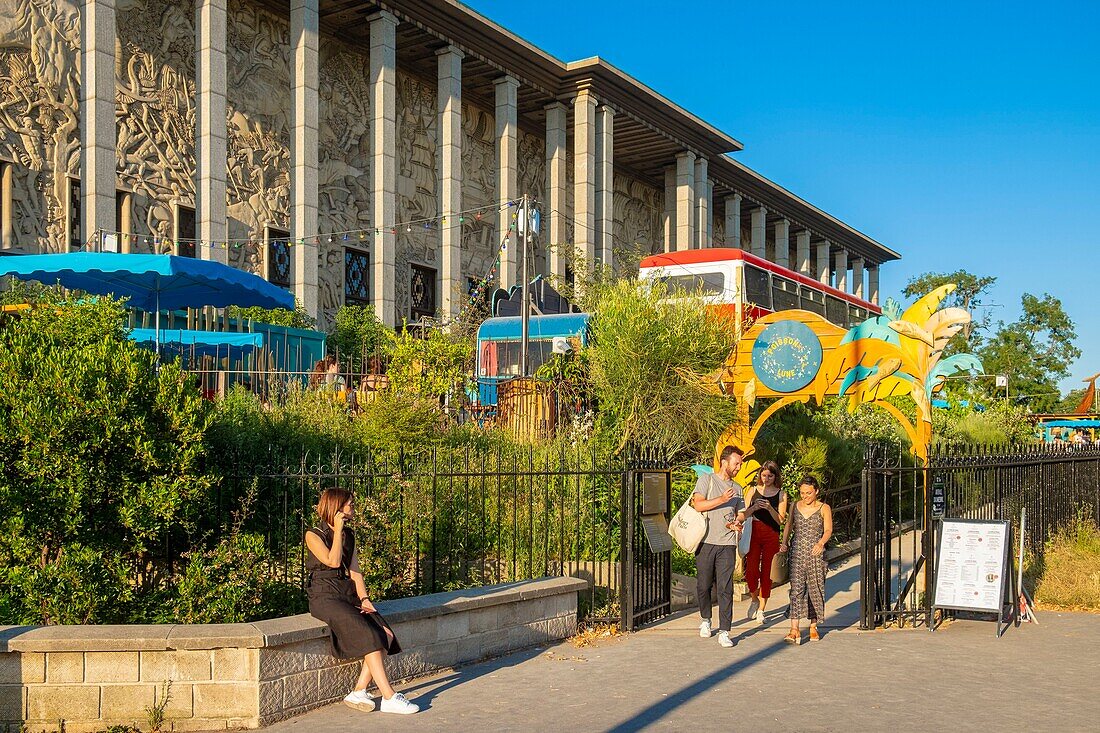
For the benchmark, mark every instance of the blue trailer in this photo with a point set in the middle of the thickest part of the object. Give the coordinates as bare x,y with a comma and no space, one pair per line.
498,347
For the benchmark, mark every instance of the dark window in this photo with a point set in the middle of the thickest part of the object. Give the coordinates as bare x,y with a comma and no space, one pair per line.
836,310
186,227
76,242
784,294
422,292
757,287
356,277
278,256
856,314
707,283
811,300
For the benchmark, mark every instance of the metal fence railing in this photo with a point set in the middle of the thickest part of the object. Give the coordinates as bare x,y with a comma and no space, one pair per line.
446,519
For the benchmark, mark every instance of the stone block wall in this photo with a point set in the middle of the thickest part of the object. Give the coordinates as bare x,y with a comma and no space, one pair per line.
220,676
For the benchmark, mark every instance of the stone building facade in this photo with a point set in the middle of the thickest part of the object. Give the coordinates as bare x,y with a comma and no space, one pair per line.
365,152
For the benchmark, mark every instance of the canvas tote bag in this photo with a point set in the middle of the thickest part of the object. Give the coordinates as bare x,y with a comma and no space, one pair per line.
688,527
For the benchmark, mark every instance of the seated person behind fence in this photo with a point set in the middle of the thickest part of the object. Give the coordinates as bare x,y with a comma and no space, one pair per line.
338,596
811,521
317,374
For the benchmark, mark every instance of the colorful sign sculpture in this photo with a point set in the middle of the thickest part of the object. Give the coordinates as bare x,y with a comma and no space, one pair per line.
796,356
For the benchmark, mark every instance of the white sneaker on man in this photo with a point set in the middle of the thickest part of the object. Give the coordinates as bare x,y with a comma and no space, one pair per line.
724,639
398,704
360,700
754,608
704,629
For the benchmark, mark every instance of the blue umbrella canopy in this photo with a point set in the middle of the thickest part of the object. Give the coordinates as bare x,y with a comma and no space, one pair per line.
151,282
200,343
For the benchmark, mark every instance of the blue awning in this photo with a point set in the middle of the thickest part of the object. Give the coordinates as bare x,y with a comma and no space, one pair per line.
199,343
510,328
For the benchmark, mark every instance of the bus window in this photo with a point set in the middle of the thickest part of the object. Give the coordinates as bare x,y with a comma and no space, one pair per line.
784,294
836,310
502,358
857,314
709,283
811,300
757,288
489,359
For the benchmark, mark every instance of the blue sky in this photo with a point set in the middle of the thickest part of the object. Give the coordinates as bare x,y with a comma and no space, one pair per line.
962,135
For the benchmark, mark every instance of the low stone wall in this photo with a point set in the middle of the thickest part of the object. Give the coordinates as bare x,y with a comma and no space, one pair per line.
248,675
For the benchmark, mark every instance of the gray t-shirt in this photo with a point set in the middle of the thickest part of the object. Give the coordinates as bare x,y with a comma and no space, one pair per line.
711,486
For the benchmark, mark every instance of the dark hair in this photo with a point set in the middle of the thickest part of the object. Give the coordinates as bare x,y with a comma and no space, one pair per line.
331,501
728,451
809,480
772,467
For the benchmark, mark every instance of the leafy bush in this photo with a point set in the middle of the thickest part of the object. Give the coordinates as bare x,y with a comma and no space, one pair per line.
297,318
653,365
435,366
102,458
357,336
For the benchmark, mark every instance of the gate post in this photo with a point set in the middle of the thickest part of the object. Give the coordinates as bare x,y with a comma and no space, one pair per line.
626,552
867,542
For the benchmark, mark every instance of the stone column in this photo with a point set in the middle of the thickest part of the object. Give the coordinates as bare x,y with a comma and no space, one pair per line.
210,132
824,271
556,181
857,277
733,221
605,184
304,39
802,251
507,90
685,200
759,245
702,204
842,270
383,109
872,283
584,182
450,180
783,243
670,209
98,137
7,232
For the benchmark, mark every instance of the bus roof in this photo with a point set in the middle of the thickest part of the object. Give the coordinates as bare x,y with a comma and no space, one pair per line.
725,254
511,327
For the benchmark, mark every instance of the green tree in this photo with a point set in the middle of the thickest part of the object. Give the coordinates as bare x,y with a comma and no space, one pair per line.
296,318
1035,352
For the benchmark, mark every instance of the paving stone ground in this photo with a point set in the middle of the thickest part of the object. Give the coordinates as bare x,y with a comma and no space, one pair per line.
666,678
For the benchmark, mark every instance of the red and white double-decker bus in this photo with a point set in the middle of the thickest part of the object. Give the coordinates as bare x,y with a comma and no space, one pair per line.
742,285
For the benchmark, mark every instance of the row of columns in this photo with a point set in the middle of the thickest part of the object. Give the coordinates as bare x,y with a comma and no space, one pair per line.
689,190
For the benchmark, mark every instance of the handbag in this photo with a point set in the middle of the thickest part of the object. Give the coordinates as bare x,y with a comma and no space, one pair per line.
688,527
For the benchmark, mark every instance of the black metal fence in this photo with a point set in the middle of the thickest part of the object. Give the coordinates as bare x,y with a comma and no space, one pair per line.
447,519
1053,484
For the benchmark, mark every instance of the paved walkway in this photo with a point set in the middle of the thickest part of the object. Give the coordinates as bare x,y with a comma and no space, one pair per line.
666,678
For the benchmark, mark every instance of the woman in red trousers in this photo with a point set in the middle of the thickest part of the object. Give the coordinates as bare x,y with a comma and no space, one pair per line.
767,505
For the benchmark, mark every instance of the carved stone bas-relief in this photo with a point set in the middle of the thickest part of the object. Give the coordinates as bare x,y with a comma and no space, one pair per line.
638,233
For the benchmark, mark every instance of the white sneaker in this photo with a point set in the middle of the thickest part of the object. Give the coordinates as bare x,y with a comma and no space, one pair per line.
724,639
754,608
360,700
398,704
759,618
705,630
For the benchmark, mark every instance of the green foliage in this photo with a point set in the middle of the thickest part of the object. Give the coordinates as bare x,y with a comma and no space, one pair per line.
1000,423
101,456
14,291
437,365
652,365
297,318
1035,351
357,336
1067,575
809,456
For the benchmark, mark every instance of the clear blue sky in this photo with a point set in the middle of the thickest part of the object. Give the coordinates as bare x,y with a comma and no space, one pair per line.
962,135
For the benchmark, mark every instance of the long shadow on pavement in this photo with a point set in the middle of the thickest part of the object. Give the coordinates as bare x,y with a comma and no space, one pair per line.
466,674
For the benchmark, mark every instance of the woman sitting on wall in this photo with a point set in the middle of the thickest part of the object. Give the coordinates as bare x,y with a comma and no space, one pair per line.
338,596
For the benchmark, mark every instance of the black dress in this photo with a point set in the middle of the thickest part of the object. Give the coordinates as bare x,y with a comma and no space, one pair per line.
334,600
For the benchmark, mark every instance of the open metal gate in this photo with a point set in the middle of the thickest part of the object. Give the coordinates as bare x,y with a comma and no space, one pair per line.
895,582
646,565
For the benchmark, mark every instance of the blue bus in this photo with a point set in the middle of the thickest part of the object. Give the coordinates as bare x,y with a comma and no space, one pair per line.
498,347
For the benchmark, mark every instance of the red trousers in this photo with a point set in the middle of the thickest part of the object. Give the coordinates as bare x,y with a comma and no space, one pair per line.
763,546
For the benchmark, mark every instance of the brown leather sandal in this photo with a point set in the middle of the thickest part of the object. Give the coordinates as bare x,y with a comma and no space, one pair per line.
793,638
813,634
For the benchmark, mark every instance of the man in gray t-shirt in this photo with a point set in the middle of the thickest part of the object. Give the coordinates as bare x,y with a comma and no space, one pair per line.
720,500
